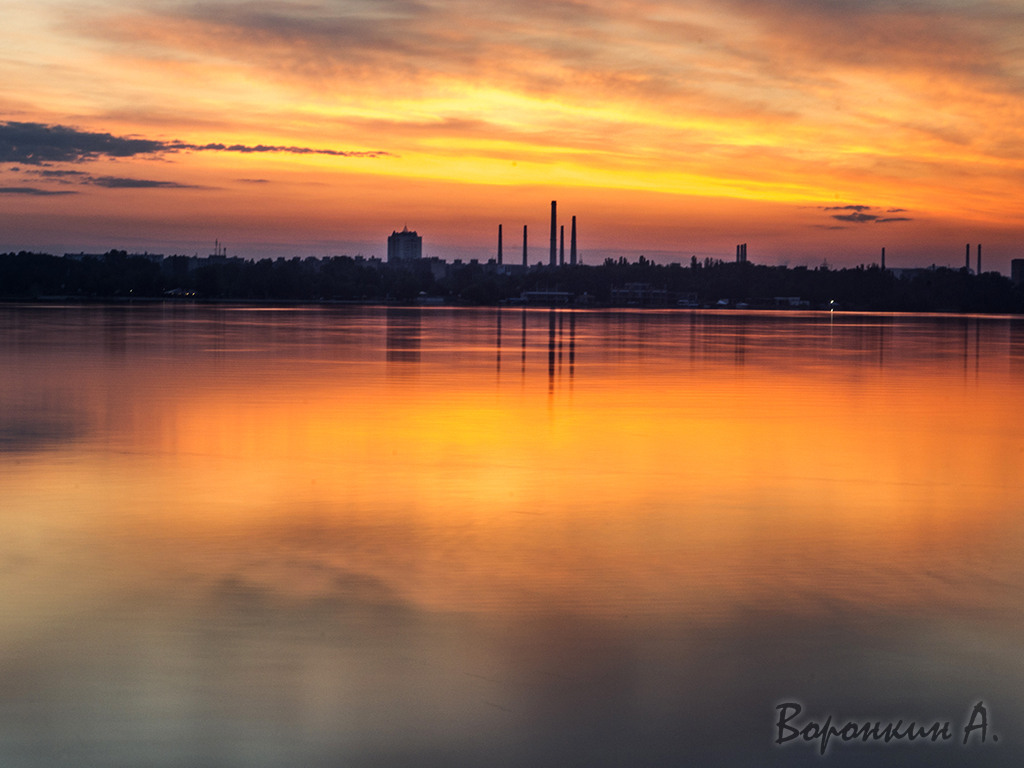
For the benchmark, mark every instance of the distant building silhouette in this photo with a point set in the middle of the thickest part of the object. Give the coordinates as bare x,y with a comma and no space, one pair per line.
404,246
1017,271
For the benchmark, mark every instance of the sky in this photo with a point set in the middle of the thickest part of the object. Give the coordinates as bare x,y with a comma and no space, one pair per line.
811,130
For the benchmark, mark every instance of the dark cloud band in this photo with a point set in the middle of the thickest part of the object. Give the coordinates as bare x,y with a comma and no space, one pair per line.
38,144
34,192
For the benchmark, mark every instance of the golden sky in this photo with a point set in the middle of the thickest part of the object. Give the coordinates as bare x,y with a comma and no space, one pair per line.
809,129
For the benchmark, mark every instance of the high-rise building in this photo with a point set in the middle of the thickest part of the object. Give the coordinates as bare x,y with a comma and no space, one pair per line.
404,246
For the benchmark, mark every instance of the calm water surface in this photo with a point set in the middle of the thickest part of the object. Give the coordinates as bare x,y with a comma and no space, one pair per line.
401,537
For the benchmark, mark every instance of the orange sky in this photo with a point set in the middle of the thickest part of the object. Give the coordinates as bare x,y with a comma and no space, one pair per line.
669,129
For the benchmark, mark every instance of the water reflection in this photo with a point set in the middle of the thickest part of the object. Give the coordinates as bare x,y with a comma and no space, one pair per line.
249,538
403,334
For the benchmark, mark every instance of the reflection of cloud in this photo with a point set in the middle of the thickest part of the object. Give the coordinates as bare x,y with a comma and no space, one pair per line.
37,144
36,429
34,191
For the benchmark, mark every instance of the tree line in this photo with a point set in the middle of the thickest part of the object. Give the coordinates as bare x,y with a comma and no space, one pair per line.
118,276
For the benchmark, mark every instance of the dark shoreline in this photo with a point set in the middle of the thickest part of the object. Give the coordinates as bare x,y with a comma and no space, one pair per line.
117,277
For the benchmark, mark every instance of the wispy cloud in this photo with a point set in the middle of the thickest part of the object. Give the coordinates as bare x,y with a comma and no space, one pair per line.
115,182
860,217
33,191
856,218
39,144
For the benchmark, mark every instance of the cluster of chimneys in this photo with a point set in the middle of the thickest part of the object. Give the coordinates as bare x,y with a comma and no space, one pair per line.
741,252
557,241
968,262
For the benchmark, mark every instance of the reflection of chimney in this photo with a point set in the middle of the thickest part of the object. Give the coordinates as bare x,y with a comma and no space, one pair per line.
883,259
524,245
554,220
968,264
572,244
499,244
979,258
561,246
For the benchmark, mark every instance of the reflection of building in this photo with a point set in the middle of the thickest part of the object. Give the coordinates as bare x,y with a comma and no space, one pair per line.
403,335
404,246
1017,271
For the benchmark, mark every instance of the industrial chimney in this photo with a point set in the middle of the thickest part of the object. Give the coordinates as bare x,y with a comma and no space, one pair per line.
554,231
572,246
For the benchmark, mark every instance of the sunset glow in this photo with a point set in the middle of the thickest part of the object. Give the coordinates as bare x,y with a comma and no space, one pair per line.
669,128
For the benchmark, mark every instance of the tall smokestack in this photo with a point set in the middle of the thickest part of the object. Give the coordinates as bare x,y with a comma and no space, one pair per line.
561,246
737,254
979,258
572,245
499,244
744,252
524,246
968,264
554,231
883,259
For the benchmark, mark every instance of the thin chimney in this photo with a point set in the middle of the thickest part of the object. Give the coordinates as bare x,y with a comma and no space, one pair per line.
968,264
554,231
561,246
499,244
883,259
572,246
979,258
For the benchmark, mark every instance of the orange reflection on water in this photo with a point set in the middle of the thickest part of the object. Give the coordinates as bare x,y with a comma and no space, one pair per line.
662,475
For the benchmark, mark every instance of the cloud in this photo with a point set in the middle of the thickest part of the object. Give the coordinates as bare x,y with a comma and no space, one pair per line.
33,191
859,217
35,144
39,144
114,182
254,181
